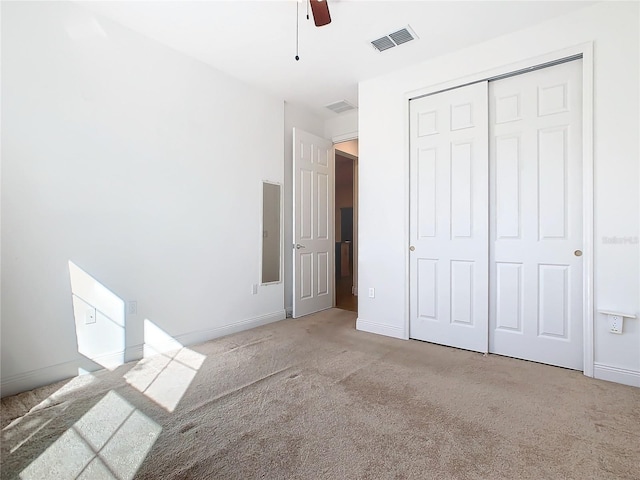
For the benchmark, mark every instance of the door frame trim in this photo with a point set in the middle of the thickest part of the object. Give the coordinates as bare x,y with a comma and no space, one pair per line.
585,50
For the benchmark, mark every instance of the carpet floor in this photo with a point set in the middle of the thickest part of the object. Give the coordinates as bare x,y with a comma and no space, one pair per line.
314,398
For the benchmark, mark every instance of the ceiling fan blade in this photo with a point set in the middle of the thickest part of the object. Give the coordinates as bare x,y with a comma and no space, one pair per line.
320,10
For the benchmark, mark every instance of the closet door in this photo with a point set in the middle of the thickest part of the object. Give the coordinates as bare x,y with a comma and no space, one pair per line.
536,216
449,289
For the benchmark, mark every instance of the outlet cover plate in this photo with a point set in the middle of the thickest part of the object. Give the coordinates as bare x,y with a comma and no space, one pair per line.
132,307
90,316
615,323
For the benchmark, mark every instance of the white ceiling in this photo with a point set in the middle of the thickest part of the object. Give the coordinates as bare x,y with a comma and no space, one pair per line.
254,41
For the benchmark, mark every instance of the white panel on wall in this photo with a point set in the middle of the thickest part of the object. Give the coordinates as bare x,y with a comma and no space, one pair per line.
427,192
306,277
507,186
461,116
461,190
552,99
306,212
509,296
323,206
462,292
552,182
427,123
507,108
553,290
427,288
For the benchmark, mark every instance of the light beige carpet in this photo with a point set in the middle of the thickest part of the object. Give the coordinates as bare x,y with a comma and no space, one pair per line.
313,398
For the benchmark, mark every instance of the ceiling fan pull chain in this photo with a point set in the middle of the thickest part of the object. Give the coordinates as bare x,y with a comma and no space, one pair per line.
297,28
308,9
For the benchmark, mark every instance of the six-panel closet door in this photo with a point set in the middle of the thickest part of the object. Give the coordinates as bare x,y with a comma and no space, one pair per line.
536,216
496,216
449,286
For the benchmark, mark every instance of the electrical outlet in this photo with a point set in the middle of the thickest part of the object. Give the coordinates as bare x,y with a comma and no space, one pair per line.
132,307
615,323
254,289
372,293
90,316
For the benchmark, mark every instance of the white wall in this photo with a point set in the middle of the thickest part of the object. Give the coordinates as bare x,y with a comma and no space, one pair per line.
613,27
343,126
141,166
297,117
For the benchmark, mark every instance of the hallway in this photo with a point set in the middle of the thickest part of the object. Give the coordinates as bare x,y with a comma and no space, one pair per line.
344,298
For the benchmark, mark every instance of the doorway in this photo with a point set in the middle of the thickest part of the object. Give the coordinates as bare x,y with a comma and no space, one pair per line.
346,211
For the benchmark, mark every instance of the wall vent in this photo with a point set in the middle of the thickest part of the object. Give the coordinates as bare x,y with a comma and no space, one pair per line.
391,40
341,106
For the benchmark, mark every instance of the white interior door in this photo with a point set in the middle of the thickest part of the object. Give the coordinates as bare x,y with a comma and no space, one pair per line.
536,222
313,223
449,288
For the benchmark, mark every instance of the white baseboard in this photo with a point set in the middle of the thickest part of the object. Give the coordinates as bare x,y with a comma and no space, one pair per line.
34,378
29,380
616,374
201,336
380,328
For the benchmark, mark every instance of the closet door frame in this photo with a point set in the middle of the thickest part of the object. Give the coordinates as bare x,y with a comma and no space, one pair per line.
584,51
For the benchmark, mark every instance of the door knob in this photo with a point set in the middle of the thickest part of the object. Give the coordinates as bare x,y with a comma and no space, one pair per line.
298,246
578,253
412,248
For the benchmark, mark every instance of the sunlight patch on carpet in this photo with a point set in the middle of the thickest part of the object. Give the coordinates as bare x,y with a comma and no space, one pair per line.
29,425
111,440
167,369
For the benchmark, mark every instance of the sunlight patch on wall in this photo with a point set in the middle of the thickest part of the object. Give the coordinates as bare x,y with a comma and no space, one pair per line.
110,441
99,319
167,369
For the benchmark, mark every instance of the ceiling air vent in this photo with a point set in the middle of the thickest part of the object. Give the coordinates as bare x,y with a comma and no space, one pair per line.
341,106
383,43
399,37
